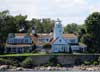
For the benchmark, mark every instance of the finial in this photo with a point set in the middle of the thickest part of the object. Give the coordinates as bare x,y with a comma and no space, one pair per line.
58,21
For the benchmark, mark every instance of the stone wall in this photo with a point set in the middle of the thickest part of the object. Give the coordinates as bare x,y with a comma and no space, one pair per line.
63,59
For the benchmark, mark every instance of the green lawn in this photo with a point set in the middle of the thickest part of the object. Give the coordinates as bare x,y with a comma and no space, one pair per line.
38,54
32,54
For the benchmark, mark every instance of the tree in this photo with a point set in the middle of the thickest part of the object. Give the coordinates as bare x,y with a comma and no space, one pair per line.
21,22
44,25
71,28
48,25
86,38
92,27
81,32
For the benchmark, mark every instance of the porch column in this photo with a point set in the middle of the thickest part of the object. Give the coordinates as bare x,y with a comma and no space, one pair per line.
16,50
22,49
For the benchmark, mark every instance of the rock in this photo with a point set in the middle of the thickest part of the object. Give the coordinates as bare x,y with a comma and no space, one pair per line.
3,67
19,69
90,69
48,68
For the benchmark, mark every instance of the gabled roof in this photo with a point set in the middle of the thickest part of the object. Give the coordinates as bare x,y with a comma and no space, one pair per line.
54,40
36,41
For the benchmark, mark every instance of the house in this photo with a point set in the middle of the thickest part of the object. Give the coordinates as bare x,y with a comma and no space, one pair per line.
59,41
18,43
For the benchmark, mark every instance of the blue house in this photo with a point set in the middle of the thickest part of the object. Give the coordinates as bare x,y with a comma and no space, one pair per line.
18,43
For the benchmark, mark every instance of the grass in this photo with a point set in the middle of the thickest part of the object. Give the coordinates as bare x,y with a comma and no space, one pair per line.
32,54
41,54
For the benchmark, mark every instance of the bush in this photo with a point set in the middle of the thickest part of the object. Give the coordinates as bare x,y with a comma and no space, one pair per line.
34,51
8,62
87,63
99,60
95,63
53,61
27,63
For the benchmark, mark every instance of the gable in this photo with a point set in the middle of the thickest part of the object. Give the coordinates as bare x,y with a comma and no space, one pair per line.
60,40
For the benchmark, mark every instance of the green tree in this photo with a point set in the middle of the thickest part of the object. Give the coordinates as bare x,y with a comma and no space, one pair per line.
92,26
48,25
21,22
6,24
81,32
71,28
38,25
44,25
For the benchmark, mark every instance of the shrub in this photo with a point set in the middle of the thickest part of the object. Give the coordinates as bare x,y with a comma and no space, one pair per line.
53,61
27,63
8,62
87,63
95,63
35,51
99,60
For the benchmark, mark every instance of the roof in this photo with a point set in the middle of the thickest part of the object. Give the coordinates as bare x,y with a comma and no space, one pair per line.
82,45
20,34
44,35
36,41
53,40
64,35
69,36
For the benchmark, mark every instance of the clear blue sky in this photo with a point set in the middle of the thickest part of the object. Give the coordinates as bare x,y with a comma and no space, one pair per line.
69,11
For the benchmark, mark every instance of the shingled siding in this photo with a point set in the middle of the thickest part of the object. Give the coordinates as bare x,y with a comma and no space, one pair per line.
63,59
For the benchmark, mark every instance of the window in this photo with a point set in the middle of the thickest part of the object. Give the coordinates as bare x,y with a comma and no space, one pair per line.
60,30
60,40
16,41
59,25
26,40
72,40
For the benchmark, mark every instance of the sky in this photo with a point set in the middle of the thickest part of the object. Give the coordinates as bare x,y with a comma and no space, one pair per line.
68,11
